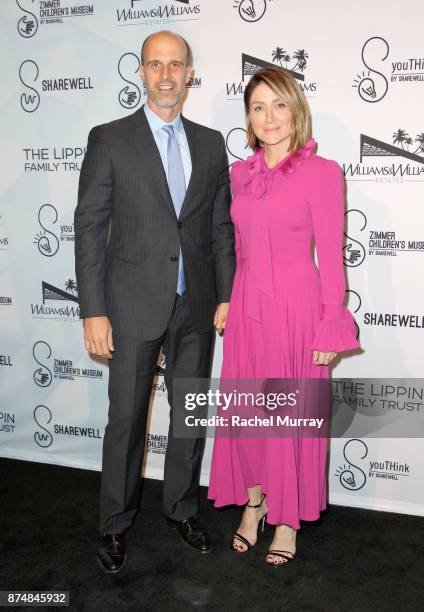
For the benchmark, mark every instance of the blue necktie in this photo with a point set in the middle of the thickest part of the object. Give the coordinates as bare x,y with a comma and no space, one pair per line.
177,188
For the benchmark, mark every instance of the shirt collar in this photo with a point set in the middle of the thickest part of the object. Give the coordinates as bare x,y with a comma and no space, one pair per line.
156,123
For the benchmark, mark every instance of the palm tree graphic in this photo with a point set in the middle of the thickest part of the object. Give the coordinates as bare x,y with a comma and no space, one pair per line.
286,58
301,56
400,137
278,55
408,141
71,286
420,139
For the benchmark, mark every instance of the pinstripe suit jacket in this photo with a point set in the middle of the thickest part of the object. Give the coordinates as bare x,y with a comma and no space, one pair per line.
127,235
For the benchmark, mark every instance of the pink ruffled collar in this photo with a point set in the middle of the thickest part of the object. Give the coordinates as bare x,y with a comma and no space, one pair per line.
259,176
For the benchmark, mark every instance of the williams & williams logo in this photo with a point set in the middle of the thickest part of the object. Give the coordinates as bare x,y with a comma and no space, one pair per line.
29,73
46,240
51,308
372,83
354,250
43,436
44,12
358,468
152,12
295,63
58,367
406,151
53,159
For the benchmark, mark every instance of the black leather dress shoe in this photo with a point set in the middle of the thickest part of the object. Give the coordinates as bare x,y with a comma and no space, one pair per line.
192,534
111,556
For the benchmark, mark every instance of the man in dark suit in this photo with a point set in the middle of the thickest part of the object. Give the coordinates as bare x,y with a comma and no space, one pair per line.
154,250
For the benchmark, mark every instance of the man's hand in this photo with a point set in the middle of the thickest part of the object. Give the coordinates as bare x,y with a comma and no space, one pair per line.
319,358
221,317
98,336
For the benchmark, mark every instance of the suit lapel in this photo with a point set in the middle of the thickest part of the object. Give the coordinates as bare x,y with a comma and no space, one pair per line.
195,152
145,145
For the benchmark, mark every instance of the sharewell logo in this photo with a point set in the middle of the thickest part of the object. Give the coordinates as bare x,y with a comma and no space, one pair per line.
380,150
148,12
30,97
250,64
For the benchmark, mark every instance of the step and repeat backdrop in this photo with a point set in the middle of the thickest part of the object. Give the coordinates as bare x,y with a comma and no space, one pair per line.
68,65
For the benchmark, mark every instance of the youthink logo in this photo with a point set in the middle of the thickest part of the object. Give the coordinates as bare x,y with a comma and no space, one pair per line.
373,85
250,10
30,99
47,242
236,143
43,416
354,251
130,95
354,309
42,376
351,476
28,23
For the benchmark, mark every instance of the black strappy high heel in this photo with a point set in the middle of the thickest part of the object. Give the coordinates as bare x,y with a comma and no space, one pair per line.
244,540
280,553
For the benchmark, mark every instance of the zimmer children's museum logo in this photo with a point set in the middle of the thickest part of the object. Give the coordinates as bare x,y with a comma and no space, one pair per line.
406,151
49,367
295,63
34,13
30,97
152,12
52,306
372,83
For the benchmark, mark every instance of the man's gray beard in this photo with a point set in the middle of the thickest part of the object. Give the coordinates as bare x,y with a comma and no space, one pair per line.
164,104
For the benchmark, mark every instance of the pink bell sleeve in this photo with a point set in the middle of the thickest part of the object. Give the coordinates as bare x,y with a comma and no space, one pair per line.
336,331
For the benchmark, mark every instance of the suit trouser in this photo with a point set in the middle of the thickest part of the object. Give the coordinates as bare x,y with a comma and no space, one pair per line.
131,373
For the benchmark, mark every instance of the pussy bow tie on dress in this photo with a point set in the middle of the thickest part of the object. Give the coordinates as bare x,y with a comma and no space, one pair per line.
257,185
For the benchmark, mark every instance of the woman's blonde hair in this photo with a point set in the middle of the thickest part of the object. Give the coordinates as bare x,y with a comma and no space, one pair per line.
288,90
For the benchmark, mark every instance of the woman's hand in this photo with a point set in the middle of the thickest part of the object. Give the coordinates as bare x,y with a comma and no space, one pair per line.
319,358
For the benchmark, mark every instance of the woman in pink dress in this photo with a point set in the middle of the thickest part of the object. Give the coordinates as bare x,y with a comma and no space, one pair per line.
286,319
